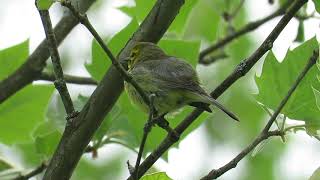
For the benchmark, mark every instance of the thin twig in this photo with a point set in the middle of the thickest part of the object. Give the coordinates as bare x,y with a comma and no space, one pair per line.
69,79
233,163
214,58
83,19
246,29
240,71
146,131
34,172
59,83
265,133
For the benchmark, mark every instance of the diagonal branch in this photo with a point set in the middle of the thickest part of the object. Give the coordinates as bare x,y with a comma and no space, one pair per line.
59,82
35,63
77,136
265,133
68,78
246,29
240,71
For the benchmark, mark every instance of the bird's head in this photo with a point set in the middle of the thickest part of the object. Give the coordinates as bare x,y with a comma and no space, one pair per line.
145,51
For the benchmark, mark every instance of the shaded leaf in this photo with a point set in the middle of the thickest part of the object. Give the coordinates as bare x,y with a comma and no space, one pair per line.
198,25
187,50
4,165
142,8
100,61
46,144
110,169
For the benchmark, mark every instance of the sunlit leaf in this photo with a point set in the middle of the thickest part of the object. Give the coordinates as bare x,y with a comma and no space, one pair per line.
44,4
21,113
317,5
12,57
315,175
156,176
277,78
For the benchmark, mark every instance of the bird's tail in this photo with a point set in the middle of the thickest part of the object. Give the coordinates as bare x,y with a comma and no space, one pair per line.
209,100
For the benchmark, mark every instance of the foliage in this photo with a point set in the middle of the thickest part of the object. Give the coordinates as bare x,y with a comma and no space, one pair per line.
33,119
276,79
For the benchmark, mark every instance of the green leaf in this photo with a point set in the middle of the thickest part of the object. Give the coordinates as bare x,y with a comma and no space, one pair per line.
198,25
277,78
100,61
106,169
46,144
12,57
143,7
44,4
107,122
4,165
156,176
30,157
186,50
317,5
315,175
20,114
300,33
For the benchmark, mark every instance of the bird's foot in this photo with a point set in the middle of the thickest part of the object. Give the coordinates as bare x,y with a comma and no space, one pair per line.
164,124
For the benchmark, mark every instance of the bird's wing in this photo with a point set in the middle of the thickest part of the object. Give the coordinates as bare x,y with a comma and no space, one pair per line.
172,73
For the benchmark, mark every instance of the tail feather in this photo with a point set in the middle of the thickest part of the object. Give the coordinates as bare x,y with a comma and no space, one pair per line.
209,100
222,108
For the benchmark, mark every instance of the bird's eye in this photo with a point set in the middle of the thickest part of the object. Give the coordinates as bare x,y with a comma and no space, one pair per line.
133,54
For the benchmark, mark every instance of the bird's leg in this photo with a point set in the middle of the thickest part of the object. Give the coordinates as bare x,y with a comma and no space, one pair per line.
164,124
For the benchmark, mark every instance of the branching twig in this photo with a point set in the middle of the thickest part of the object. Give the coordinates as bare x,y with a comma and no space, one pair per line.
59,83
247,28
265,133
240,71
69,79
34,172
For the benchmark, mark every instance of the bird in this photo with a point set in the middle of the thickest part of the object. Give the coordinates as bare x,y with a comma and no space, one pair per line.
173,82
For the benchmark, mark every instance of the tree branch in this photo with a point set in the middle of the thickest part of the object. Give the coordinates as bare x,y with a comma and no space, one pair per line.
59,83
69,79
77,136
265,133
246,29
240,71
35,63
